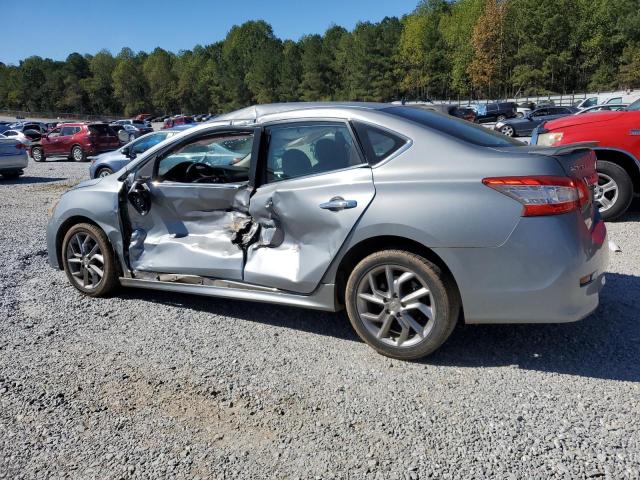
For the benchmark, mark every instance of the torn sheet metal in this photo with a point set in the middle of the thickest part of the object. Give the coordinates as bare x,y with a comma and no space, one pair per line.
298,239
191,229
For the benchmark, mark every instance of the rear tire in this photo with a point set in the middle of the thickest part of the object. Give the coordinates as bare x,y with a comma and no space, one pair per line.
77,154
12,175
37,153
89,261
508,130
501,118
411,319
614,191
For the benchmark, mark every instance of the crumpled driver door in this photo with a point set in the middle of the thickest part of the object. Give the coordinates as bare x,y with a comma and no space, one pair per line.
177,227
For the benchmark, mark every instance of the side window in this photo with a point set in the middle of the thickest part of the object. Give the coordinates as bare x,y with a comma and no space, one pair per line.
590,102
222,158
146,143
377,144
55,133
66,131
540,112
614,100
296,150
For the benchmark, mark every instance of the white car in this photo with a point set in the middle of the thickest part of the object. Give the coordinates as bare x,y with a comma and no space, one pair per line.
16,135
603,108
609,99
13,157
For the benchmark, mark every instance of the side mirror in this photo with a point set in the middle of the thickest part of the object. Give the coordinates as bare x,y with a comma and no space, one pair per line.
139,196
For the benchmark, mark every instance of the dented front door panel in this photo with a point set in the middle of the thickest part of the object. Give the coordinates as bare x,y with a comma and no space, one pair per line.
299,234
191,229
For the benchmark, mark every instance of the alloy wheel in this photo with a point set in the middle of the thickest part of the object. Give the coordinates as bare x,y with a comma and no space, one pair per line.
606,192
395,305
77,154
85,261
507,130
105,172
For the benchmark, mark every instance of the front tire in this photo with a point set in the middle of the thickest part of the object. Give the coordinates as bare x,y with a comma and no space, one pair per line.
77,154
401,304
89,261
501,118
37,153
614,191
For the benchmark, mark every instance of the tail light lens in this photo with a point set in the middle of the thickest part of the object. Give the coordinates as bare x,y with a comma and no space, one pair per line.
542,195
21,146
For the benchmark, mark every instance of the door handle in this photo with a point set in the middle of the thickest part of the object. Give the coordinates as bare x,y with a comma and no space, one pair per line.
338,203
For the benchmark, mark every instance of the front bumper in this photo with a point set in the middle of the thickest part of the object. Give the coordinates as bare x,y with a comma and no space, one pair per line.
534,277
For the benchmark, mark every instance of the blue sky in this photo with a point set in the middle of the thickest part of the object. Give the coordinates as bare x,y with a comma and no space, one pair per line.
55,28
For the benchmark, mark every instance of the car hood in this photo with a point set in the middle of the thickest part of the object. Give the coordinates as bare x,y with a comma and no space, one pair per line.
584,119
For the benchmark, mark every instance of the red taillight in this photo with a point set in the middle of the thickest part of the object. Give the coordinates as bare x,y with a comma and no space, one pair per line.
542,195
21,146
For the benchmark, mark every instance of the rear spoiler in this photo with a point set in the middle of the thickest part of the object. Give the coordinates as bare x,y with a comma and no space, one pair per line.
563,149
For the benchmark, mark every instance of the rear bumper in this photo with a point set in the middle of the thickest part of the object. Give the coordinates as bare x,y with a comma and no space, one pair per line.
534,277
13,162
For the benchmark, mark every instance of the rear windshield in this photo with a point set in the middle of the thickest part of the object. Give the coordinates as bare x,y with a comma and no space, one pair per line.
455,127
100,129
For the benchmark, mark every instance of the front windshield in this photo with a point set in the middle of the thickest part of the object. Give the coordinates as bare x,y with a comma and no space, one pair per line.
634,106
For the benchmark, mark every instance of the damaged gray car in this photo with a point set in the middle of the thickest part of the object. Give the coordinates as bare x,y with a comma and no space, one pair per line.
409,219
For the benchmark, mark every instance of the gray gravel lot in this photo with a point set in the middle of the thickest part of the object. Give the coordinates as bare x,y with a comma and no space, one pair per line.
160,385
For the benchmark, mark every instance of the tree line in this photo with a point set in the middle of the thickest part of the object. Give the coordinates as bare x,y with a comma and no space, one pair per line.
443,49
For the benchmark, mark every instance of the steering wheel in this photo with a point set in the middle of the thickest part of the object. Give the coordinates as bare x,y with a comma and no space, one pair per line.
203,172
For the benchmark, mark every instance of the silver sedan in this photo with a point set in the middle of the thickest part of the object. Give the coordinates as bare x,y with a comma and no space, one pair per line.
13,156
410,219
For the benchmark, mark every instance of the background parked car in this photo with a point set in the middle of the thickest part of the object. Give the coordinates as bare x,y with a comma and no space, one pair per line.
13,157
605,100
618,151
16,135
522,127
491,112
130,132
76,141
603,108
177,120
109,162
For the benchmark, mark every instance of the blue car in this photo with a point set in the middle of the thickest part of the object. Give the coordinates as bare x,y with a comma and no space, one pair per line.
109,162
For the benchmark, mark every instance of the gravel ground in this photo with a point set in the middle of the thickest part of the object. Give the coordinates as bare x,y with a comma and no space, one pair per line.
160,385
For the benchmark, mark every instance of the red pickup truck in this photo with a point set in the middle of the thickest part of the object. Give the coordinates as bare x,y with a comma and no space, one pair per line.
618,152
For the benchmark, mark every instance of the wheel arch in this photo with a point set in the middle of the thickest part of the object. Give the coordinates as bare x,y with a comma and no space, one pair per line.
65,227
625,160
366,247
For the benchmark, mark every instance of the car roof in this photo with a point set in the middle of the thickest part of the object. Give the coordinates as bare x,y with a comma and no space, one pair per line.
255,112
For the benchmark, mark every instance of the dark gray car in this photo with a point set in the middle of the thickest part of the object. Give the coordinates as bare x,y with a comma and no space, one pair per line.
408,218
523,127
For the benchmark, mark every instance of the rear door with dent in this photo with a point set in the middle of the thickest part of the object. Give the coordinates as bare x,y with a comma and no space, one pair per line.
315,185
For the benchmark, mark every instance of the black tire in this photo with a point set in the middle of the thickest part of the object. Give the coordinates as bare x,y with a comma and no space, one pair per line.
103,172
443,295
109,280
37,153
12,175
501,118
77,154
520,115
625,189
509,131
